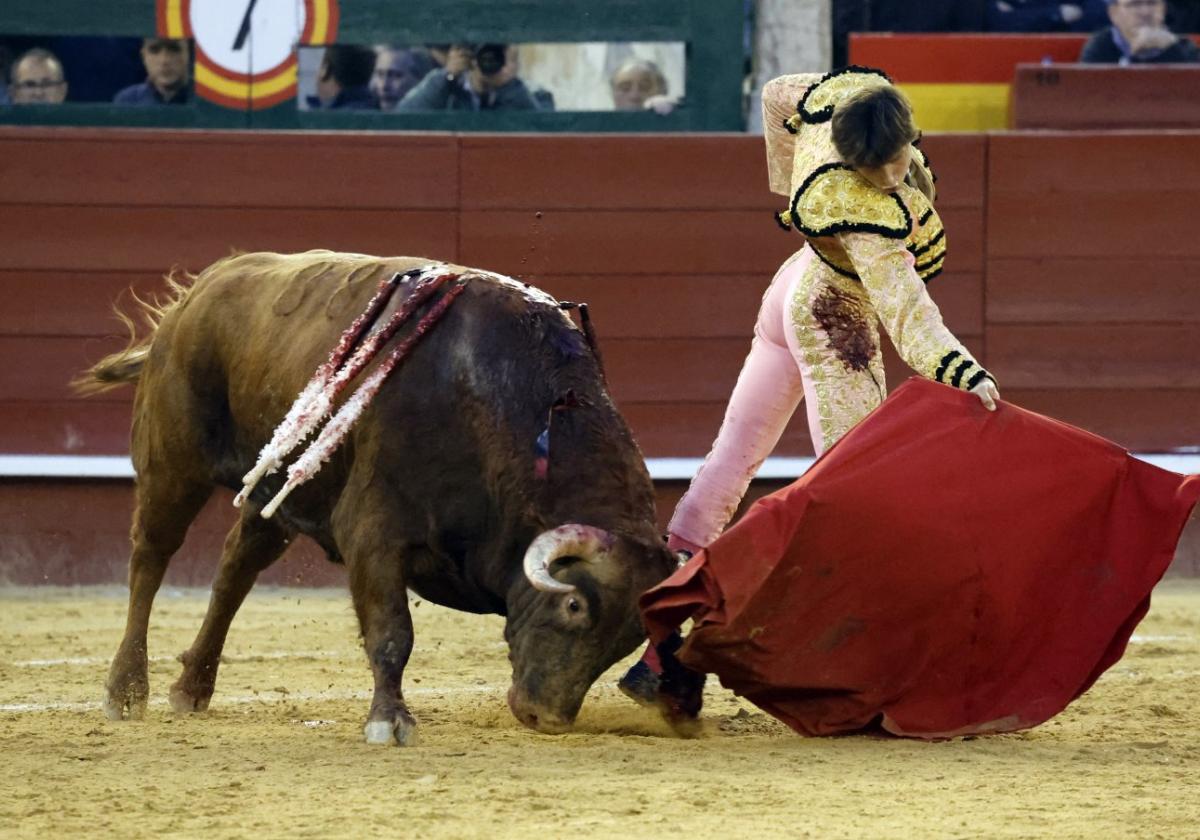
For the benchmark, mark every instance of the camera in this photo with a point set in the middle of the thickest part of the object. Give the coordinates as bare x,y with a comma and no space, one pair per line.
490,58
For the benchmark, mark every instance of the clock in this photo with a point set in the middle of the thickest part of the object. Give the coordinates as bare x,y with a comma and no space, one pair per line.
246,49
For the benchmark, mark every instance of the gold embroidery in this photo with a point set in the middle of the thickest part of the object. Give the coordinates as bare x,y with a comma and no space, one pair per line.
927,242
840,199
909,315
821,99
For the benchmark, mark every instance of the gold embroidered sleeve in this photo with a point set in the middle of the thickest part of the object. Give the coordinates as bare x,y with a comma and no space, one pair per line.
908,313
779,98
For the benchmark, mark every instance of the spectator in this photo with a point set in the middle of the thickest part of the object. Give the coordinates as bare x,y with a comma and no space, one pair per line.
1044,16
397,71
343,79
167,75
639,84
482,78
37,79
1138,35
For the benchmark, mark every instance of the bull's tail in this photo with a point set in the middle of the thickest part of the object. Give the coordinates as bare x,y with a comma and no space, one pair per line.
125,366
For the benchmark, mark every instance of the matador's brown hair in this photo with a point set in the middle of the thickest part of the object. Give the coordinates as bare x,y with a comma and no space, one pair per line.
871,126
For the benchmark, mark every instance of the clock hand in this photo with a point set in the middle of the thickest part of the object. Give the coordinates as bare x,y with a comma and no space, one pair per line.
244,30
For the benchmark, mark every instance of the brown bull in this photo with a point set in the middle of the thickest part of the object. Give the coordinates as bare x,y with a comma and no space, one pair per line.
437,488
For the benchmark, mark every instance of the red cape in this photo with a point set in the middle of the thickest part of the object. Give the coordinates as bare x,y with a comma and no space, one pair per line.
943,570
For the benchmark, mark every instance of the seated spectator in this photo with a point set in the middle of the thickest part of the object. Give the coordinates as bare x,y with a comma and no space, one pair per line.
37,79
638,85
1138,35
343,79
482,78
1044,16
397,71
167,75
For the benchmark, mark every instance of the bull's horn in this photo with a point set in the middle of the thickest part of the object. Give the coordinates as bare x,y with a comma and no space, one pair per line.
564,541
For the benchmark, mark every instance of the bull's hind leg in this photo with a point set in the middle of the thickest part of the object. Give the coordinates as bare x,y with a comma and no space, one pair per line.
381,601
253,544
166,506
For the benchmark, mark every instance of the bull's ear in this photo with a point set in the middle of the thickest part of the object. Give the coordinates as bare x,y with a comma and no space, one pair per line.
601,566
605,568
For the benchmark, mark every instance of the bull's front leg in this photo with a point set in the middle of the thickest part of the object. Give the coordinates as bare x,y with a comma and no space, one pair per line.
381,601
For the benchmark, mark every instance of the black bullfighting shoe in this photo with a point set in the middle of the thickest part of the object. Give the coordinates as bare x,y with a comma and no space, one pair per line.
640,684
680,689
677,691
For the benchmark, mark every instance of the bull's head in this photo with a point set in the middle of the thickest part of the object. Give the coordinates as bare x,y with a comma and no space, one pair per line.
573,616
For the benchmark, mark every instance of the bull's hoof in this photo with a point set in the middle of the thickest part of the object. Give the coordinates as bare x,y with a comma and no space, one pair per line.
128,704
400,732
186,702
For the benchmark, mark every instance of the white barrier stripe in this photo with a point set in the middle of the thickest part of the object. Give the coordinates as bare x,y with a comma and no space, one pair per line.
267,697
66,466
661,469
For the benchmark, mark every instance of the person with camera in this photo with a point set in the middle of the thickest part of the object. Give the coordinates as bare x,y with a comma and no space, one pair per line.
474,78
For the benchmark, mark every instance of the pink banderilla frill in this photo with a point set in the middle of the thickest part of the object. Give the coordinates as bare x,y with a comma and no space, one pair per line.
317,398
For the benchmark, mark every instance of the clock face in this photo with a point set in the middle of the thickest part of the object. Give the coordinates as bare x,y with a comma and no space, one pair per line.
247,37
246,49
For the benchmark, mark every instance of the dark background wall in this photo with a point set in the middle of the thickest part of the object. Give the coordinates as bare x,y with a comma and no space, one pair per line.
1074,273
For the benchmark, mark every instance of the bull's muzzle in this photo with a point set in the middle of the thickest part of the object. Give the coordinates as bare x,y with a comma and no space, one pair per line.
536,716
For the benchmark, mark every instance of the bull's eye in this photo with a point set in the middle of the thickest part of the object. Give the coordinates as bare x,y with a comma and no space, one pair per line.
573,605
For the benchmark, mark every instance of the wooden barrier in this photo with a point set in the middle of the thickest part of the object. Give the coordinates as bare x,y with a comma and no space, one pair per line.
1092,96
1093,288
1072,272
669,238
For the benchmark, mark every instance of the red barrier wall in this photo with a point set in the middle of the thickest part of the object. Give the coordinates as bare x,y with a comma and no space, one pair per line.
1073,273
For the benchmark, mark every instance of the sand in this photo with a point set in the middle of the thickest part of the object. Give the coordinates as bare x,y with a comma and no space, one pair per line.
280,752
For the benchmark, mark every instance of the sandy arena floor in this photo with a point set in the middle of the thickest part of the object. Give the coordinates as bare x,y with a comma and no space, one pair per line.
281,754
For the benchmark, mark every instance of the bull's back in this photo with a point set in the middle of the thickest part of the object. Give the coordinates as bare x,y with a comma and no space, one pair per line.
256,326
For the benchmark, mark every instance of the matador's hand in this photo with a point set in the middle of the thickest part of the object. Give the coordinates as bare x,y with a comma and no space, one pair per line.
987,392
677,543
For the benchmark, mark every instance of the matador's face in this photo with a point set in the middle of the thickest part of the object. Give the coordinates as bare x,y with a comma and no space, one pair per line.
890,175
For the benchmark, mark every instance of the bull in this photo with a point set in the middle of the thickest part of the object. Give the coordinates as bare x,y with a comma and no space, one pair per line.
437,488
